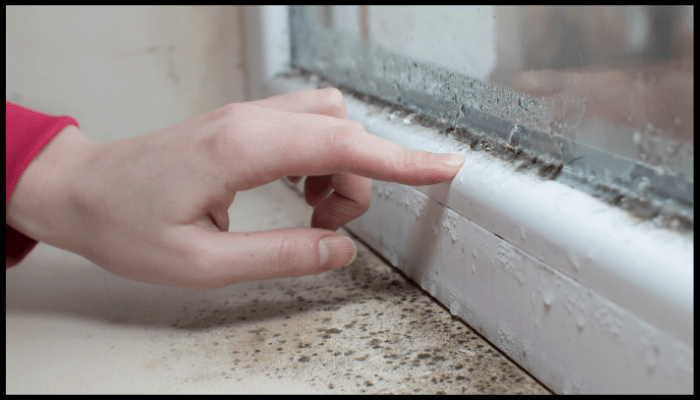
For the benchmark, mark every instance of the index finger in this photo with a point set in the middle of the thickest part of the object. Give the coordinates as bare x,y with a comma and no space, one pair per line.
300,144
365,154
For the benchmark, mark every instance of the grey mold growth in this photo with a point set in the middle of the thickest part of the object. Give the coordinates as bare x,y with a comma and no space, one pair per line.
509,125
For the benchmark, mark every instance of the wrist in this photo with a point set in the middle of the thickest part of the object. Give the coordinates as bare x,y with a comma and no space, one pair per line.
39,201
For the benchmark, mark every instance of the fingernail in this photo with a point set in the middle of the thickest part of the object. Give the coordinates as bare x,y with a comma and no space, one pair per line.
448,159
336,251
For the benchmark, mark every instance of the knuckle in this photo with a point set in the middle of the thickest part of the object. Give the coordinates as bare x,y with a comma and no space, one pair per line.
360,195
285,260
218,145
344,139
198,270
228,112
341,138
334,104
364,202
356,128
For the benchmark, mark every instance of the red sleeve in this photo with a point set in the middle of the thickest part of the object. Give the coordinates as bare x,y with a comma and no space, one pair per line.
26,132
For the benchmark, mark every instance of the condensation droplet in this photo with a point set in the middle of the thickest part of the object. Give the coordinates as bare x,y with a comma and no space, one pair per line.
512,132
433,289
475,253
637,138
650,357
454,307
435,227
424,283
580,321
438,246
677,120
409,119
548,296
675,223
395,260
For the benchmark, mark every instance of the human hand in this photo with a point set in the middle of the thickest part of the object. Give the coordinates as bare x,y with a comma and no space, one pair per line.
154,208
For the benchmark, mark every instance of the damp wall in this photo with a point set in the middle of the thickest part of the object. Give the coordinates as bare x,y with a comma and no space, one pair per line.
124,71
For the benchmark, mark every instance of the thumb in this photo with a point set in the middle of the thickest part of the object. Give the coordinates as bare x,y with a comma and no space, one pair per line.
231,257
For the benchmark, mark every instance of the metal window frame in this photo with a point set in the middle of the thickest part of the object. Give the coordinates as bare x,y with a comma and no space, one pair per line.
576,291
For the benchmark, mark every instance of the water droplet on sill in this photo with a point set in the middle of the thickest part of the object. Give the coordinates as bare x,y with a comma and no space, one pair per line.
650,357
548,297
395,260
409,119
433,289
454,307
424,283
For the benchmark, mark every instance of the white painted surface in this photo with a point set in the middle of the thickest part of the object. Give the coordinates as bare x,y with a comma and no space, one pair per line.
643,269
583,296
124,71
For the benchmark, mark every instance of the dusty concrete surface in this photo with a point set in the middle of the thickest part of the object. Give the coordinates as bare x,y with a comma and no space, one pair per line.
73,328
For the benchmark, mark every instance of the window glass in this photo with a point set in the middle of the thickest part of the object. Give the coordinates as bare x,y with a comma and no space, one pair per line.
602,96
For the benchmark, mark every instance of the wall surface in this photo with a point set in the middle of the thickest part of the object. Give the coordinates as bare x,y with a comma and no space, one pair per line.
124,71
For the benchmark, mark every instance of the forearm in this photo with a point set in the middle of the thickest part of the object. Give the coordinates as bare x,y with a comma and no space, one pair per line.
47,187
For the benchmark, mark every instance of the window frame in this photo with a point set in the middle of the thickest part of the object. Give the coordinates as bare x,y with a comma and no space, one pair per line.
642,320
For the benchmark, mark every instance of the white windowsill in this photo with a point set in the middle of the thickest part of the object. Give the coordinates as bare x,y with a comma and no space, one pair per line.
572,289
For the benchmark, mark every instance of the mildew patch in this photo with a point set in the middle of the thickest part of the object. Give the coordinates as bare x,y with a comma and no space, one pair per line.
647,193
510,261
359,329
